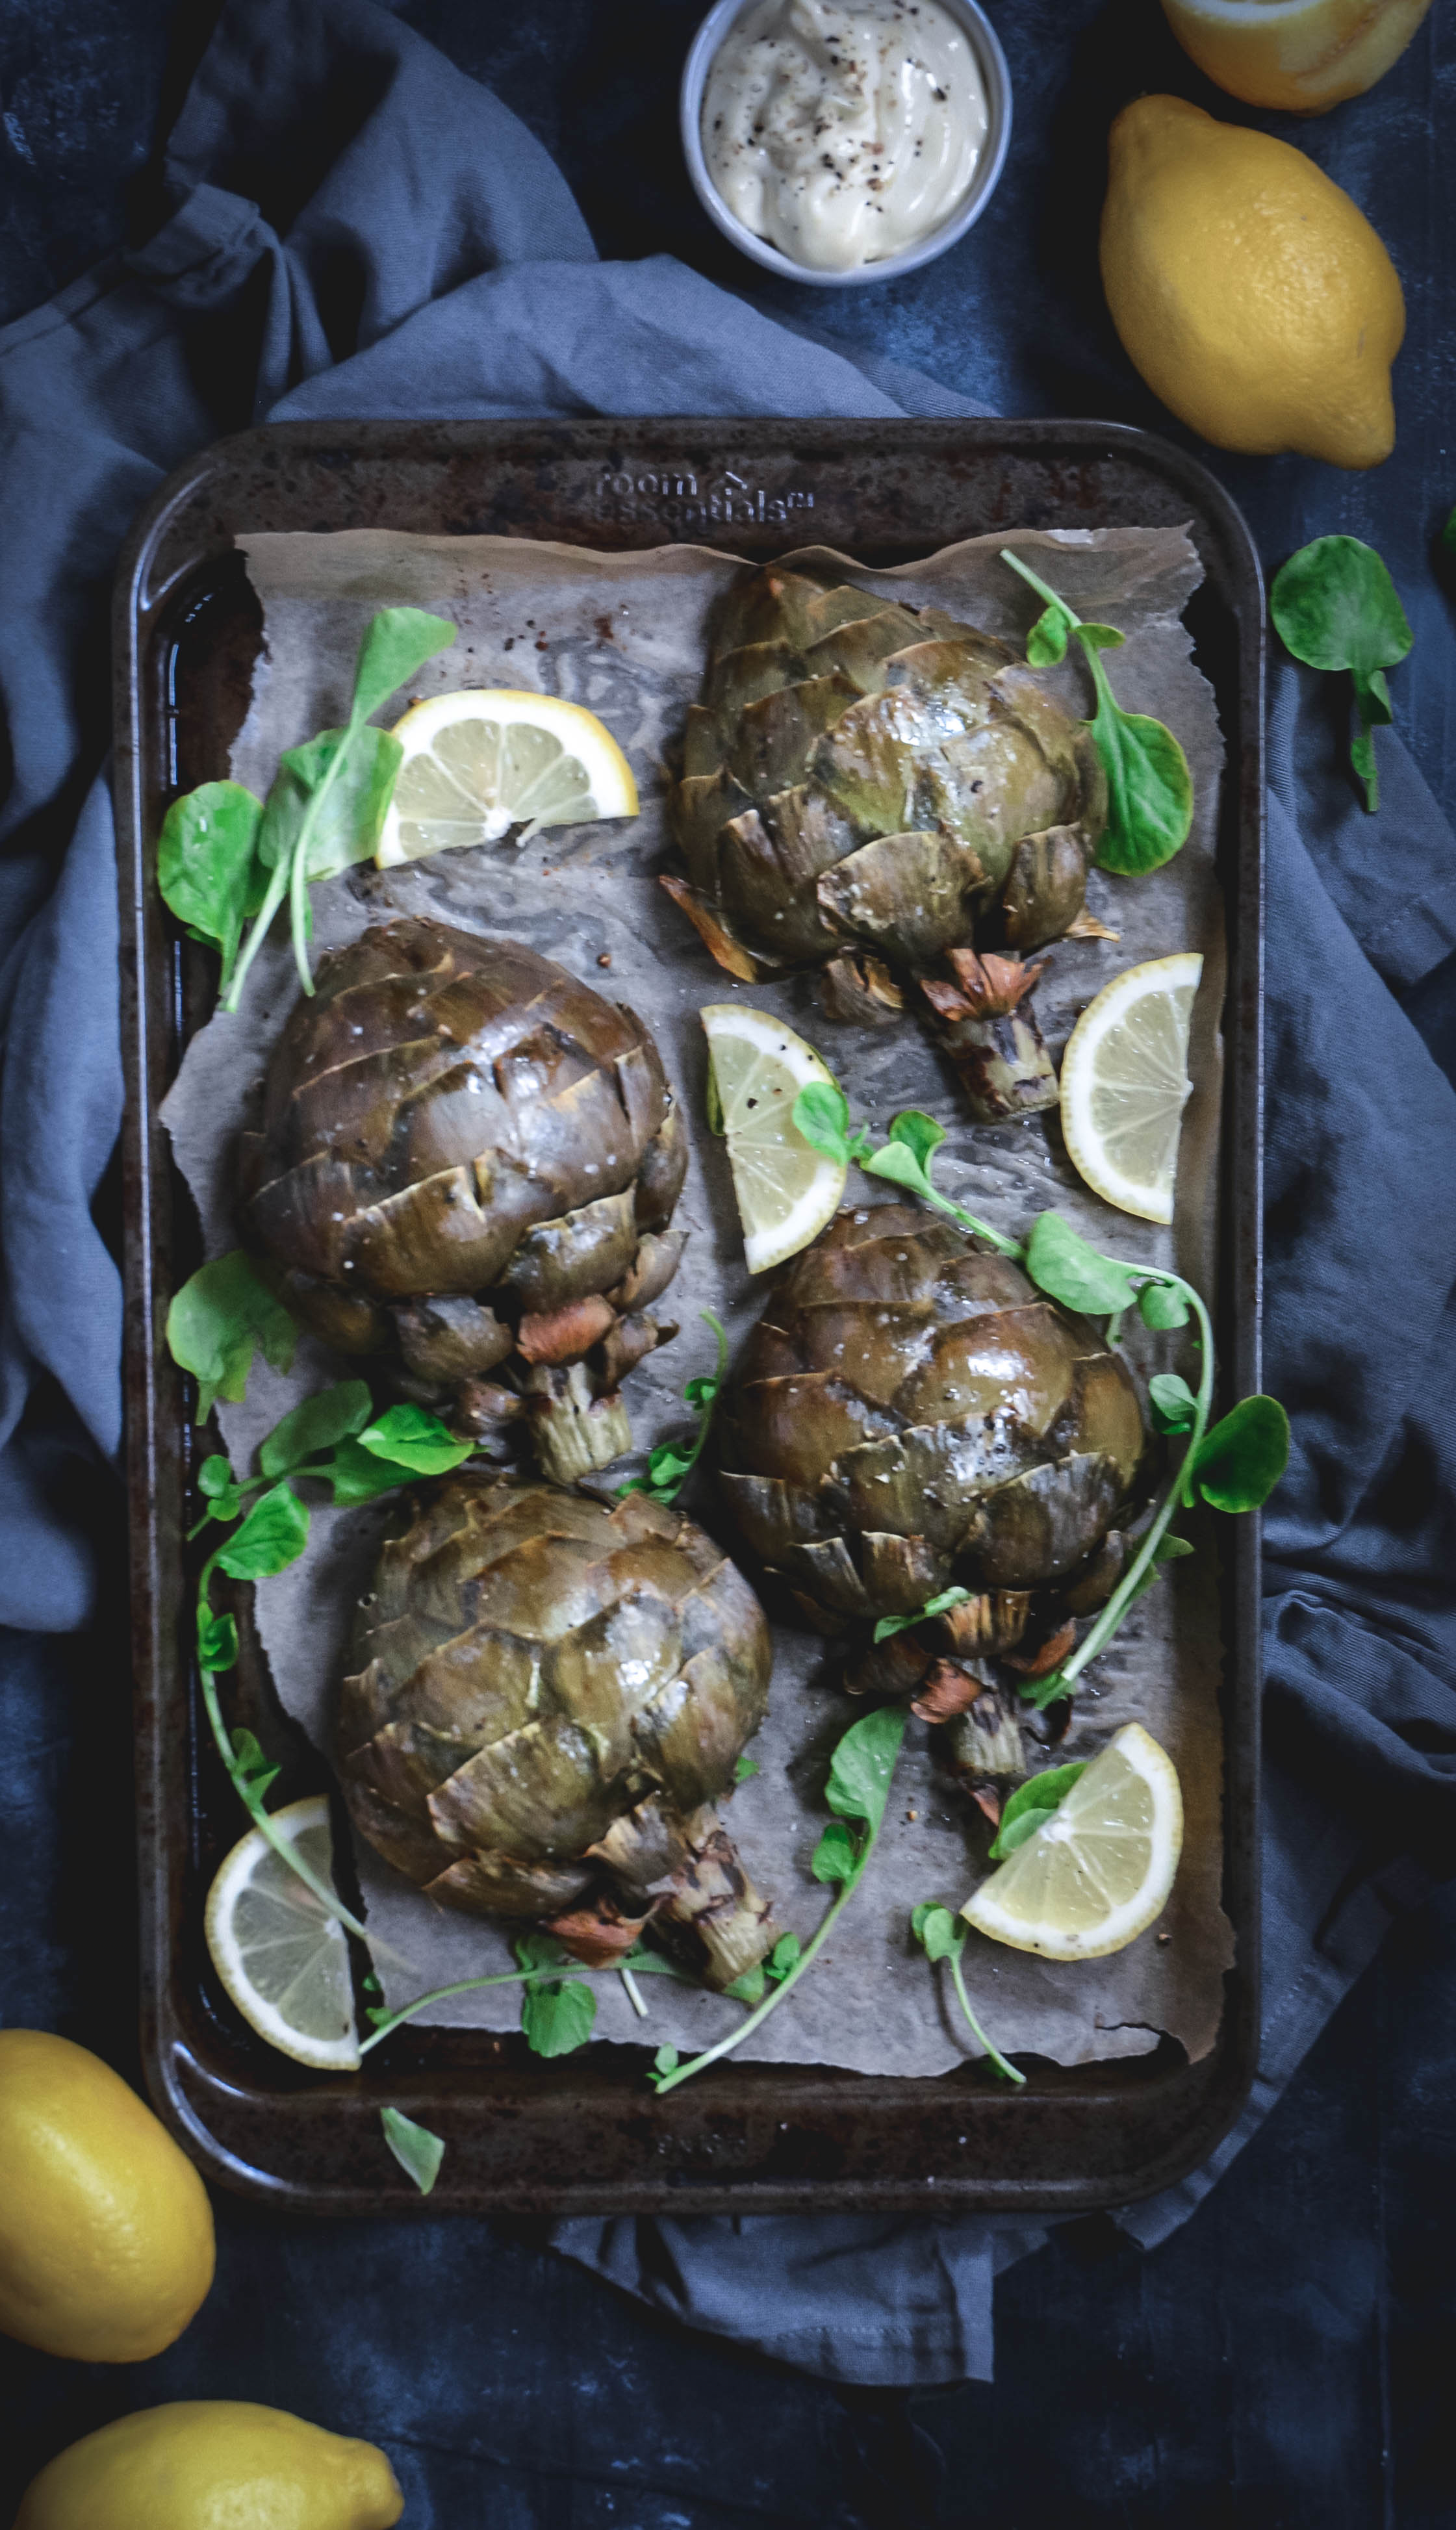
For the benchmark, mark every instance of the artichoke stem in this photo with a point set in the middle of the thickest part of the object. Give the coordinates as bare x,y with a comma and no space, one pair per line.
714,1902
573,1431
1005,1069
986,1743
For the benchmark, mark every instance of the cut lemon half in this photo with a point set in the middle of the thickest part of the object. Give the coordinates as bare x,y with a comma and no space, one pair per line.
284,1962
1300,56
480,762
786,1189
1101,1868
1125,1084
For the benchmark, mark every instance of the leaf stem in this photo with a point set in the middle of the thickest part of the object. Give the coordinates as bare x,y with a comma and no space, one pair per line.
1104,1626
634,1992
993,2054
277,889
328,1897
776,1993
298,881
1025,572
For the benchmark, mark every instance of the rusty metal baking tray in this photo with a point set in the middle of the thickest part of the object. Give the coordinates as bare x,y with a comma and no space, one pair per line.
586,2134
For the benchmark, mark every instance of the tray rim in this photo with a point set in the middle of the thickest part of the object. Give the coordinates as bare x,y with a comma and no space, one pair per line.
199,501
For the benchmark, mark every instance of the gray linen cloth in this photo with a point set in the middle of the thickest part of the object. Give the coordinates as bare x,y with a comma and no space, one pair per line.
359,230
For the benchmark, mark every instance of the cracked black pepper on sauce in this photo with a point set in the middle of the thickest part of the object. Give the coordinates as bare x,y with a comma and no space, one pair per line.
844,131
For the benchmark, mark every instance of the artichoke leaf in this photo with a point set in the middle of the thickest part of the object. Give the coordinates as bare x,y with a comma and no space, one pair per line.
908,895
1041,1525
536,1793
579,1255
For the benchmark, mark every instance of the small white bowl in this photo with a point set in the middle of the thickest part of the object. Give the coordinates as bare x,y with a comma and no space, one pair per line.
997,81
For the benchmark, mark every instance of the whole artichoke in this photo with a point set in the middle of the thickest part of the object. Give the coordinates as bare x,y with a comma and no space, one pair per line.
868,788
551,1694
910,1414
468,1165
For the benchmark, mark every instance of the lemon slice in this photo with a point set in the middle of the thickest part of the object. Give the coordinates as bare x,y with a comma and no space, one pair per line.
284,1962
1102,1866
786,1189
1125,1084
480,762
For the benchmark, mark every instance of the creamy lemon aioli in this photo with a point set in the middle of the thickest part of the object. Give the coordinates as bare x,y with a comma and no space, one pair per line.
844,130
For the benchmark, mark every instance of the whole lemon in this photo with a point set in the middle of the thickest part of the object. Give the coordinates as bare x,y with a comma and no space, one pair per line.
213,2464
1248,290
106,2247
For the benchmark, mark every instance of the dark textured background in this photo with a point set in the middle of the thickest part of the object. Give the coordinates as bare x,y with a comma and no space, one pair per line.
1286,2360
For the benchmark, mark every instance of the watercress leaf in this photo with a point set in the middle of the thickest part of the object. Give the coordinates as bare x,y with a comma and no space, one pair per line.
899,1163
1149,789
207,866
251,1767
1241,1460
395,646
667,1464
1171,1548
1174,1404
743,1768
1101,636
1163,1305
936,1607
786,1954
937,1930
862,1765
272,1536
835,1856
409,1437
1373,697
540,1950
1043,1791
1041,1691
1061,1263
1046,642
557,2019
217,1640
214,1476
350,815
376,2013
699,1393
750,1987
316,1426
355,1475
921,1136
222,1314
417,2152
1335,605
821,1115
665,2060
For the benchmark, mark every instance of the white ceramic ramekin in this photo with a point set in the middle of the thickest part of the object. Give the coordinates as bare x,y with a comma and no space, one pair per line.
997,81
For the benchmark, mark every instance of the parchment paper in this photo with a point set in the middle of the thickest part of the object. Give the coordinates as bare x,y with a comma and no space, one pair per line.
624,635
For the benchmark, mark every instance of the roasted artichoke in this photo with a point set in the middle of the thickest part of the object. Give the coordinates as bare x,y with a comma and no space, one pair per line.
468,1166
550,1696
872,790
910,1414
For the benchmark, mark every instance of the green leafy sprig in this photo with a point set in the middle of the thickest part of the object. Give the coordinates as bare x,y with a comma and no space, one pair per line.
1234,1465
1149,789
861,1770
670,1465
1335,606
417,2152
943,1936
226,859
332,1438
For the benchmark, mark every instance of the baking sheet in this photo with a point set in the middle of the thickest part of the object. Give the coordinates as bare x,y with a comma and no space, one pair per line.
624,635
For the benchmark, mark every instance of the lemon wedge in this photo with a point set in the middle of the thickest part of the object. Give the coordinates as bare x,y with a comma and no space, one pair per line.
1101,1868
285,1962
786,1189
1125,1084
480,762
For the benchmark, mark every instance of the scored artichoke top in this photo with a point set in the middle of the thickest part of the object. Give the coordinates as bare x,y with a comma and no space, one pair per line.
551,1694
467,1164
875,786
911,1413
